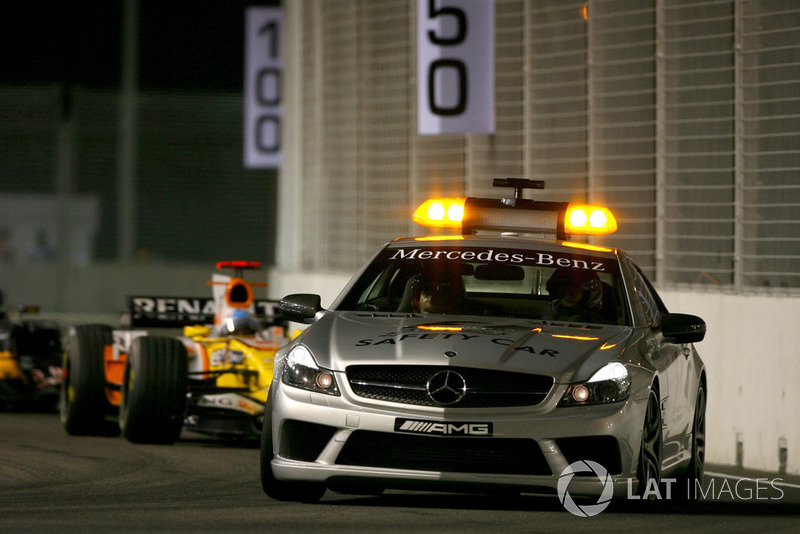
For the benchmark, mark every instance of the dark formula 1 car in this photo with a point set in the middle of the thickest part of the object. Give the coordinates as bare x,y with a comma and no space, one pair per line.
147,385
489,361
30,361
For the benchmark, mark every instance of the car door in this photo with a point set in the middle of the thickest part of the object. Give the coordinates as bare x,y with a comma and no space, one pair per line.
670,361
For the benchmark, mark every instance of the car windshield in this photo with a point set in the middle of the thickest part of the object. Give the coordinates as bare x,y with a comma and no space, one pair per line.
503,282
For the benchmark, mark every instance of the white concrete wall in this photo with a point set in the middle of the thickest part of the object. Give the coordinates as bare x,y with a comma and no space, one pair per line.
753,362
327,286
750,350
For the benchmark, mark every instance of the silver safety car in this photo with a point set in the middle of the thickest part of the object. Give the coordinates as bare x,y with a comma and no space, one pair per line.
489,361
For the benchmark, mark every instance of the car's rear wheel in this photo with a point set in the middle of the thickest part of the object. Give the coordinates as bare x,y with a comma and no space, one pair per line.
154,390
690,482
648,472
84,406
282,490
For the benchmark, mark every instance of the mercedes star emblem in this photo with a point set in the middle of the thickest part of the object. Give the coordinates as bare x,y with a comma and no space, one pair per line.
446,388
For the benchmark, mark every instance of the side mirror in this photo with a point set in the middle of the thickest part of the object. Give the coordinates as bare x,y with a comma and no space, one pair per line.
683,328
300,307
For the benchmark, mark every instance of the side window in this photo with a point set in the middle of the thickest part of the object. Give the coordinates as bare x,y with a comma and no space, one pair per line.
644,294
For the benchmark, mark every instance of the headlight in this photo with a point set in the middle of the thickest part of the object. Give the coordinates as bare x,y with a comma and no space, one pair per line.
301,371
611,383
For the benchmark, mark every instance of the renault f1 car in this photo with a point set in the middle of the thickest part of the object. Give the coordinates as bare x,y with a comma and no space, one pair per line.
213,379
489,362
30,360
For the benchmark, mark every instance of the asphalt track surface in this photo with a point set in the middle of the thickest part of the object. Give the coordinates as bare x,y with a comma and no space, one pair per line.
52,482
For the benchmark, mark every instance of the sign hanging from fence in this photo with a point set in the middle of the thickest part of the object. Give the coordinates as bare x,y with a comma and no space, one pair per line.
455,66
262,90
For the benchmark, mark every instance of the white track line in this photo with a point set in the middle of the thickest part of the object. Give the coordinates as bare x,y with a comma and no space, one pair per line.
722,475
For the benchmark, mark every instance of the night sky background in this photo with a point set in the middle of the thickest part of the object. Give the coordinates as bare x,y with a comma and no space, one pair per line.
193,45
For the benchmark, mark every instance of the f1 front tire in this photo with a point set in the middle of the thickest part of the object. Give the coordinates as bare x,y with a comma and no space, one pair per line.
154,390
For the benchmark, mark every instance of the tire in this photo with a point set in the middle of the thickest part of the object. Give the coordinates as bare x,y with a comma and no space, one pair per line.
357,488
154,390
690,479
281,490
651,452
84,407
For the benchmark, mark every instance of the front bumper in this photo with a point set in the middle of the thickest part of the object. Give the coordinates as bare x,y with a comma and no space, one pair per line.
224,414
351,440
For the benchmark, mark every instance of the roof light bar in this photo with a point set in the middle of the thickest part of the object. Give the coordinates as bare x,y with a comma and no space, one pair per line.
524,216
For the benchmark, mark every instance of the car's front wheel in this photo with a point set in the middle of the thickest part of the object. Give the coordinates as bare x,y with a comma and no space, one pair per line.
648,472
282,490
690,481
154,390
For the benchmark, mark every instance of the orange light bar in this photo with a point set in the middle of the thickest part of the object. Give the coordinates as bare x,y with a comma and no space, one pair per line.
528,216
441,213
589,219
440,238
433,328
579,338
238,265
586,246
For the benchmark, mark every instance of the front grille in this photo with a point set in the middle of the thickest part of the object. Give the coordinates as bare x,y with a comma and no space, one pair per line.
406,384
444,454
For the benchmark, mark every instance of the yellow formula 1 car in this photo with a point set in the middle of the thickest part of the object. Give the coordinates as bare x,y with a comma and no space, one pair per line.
212,379
30,361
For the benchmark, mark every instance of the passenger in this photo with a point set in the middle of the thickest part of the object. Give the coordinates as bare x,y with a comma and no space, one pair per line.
575,295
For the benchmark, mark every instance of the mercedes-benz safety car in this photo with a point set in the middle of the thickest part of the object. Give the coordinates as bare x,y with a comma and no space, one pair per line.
489,361
30,360
213,379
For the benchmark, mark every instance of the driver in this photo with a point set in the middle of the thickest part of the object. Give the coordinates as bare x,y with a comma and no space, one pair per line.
576,295
438,292
241,323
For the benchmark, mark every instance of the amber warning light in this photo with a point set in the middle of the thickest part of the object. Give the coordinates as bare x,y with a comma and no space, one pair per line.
467,214
441,213
589,219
